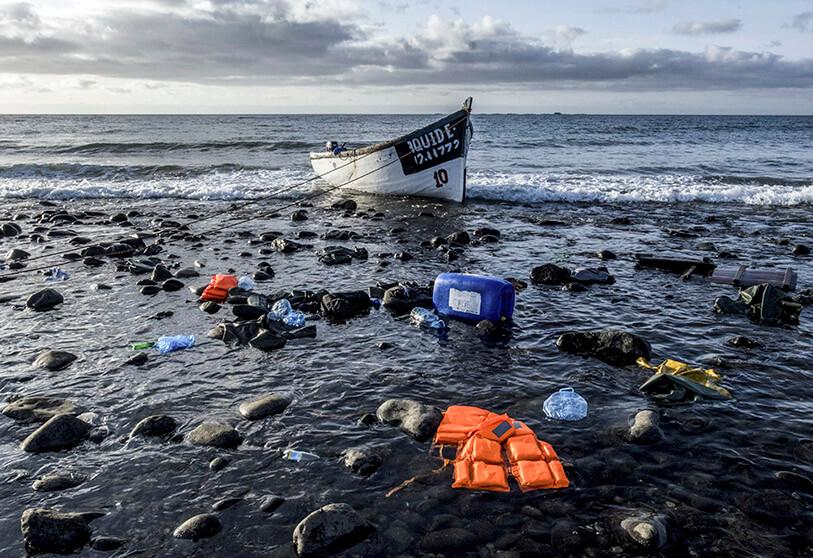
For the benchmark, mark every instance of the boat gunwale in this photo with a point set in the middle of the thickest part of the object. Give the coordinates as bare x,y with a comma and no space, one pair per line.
353,153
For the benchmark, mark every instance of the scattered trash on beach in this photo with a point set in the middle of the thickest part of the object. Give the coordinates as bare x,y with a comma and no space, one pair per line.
282,311
218,288
427,319
565,404
171,343
471,297
298,456
481,438
762,304
246,283
143,345
677,381
55,275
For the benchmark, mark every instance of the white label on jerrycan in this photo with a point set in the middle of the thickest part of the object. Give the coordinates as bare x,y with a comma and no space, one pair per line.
464,301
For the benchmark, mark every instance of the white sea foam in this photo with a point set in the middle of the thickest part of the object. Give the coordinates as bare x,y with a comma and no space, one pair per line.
538,188
485,186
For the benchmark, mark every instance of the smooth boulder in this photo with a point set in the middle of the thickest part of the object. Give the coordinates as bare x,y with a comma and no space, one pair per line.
154,425
263,407
54,360
362,461
329,530
200,526
416,419
58,433
53,531
57,481
39,409
619,348
214,435
644,429
43,300
646,530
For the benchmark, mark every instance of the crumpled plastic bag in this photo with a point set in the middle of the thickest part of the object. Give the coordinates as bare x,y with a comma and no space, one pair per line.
677,381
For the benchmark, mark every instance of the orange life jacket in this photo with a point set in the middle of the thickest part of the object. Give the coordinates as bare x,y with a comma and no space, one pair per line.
218,288
482,436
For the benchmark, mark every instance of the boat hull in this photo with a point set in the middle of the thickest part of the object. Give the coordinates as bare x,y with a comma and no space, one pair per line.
430,162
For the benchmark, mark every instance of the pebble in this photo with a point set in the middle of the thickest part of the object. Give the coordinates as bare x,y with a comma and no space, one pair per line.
619,348
187,273
200,526
57,481
743,342
270,504
801,250
150,290
16,254
218,463
172,285
648,531
137,359
54,360
106,544
329,530
550,274
214,435
210,307
225,503
644,428
416,419
263,407
59,432
362,461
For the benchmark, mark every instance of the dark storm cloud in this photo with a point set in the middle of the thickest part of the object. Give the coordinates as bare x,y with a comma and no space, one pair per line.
273,42
708,27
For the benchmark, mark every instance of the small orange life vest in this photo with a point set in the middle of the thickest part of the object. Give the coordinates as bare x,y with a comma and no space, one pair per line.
482,437
218,288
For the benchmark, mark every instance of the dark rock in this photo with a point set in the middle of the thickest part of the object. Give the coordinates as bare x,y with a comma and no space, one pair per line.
52,531
93,262
742,342
39,409
341,306
707,246
336,255
270,504
402,299
644,428
328,530
137,359
218,463
187,273
404,256
160,273
214,435
453,541
589,276
92,251
362,461
43,300
57,481
299,215
106,544
16,254
486,231
801,250
11,229
154,425
248,312
575,287
201,526
438,241
416,419
606,255
335,234
54,360
347,205
172,285
459,237
263,407
619,348
263,275
550,274
620,221
225,503
267,341
118,218
59,432
210,307
367,419
150,290
286,246
145,282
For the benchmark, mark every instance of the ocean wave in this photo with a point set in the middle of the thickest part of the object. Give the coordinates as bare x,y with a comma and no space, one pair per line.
669,188
97,148
74,171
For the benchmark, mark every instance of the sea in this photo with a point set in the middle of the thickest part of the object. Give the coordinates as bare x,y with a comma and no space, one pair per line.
755,160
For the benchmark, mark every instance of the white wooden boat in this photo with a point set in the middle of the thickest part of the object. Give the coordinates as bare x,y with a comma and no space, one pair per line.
430,162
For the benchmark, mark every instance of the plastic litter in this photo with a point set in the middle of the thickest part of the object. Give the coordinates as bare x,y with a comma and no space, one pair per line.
426,319
283,312
143,345
246,283
677,381
565,404
55,275
465,296
294,455
170,343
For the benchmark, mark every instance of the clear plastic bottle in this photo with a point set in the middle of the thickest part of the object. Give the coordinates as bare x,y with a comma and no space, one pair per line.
565,404
295,455
280,309
426,318
246,283
294,319
55,275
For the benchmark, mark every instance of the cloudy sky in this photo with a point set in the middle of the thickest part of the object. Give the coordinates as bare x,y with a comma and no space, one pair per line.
621,56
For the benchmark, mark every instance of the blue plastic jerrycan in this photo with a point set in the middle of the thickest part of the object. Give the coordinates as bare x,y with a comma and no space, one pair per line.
471,297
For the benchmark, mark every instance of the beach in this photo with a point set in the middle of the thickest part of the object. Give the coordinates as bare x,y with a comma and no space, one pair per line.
720,477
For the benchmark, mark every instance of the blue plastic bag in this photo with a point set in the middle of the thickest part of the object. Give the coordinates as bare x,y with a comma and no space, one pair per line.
565,404
170,343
